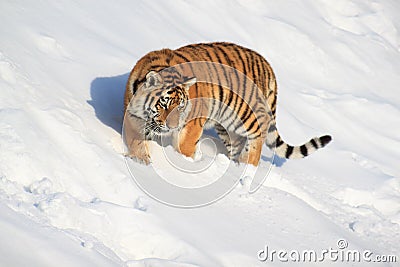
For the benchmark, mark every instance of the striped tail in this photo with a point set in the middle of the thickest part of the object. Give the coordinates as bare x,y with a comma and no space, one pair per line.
285,150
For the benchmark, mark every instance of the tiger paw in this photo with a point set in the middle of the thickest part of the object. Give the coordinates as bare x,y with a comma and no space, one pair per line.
139,156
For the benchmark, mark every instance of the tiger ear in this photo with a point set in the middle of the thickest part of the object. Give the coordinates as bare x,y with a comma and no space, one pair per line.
153,81
189,82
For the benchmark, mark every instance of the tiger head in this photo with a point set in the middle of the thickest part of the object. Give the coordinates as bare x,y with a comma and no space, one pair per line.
162,100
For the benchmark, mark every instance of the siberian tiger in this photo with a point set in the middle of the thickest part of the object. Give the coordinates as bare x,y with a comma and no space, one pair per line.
159,94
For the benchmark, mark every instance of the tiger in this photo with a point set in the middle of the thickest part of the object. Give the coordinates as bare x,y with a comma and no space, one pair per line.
159,100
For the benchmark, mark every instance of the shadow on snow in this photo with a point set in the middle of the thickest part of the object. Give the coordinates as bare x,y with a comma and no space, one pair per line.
107,99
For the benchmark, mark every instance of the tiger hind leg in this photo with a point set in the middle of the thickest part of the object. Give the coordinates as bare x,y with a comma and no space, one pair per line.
251,152
233,142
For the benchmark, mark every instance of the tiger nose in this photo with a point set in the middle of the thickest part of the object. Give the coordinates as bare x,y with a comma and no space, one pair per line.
173,119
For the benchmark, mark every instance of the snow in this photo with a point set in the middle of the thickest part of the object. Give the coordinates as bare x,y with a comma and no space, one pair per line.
67,197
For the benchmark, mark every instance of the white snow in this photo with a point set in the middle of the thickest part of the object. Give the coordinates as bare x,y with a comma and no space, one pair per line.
67,197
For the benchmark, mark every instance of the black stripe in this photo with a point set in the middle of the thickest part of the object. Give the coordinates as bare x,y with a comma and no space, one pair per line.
273,104
169,86
178,53
252,137
265,76
227,59
157,68
230,98
247,114
279,141
252,60
236,154
289,151
241,60
154,57
202,125
269,77
208,55
252,89
242,105
252,125
304,150
258,69
172,76
248,63
190,46
134,86
241,123
146,100
272,128
221,94
233,110
232,113
314,144
272,116
212,106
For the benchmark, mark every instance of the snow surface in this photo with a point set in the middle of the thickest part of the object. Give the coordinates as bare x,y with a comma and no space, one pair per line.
66,196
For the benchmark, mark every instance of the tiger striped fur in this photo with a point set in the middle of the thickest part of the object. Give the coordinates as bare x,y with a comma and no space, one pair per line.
155,91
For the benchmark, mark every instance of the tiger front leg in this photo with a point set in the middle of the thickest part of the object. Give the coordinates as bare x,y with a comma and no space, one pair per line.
135,140
138,150
188,137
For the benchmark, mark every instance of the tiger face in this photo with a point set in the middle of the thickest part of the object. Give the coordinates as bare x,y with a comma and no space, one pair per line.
162,102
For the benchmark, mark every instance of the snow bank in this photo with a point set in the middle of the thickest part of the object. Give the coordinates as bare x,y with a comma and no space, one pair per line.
67,196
